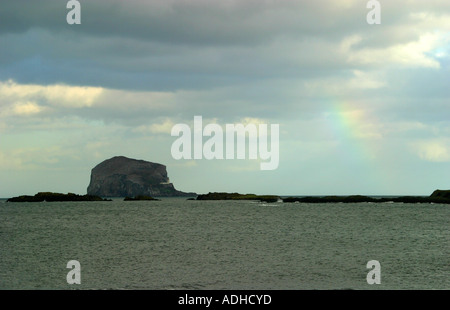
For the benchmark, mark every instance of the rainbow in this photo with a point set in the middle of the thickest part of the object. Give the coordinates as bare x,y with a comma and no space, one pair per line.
356,131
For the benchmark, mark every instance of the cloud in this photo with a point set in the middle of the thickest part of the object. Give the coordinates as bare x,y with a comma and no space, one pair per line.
31,158
410,54
26,108
156,128
35,106
355,82
50,95
184,22
436,150
173,45
50,103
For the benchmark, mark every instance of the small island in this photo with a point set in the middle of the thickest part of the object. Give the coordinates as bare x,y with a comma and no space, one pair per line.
121,176
237,196
141,198
53,197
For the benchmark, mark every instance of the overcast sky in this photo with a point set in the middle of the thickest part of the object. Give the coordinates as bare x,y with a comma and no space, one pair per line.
362,109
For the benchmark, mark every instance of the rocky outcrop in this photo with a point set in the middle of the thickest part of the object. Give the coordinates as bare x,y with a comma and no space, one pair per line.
126,177
438,196
237,196
441,194
53,197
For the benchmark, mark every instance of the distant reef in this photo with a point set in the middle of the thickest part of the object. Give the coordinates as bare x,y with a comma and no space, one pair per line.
237,196
438,196
50,197
126,177
141,198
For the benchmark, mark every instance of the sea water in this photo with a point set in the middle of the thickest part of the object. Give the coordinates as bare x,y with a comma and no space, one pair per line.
181,244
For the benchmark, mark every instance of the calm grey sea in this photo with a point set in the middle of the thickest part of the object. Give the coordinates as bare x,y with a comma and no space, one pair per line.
180,244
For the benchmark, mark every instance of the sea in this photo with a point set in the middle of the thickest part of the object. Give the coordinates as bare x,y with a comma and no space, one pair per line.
180,244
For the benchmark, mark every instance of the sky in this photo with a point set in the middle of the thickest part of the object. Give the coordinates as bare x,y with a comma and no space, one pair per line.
362,108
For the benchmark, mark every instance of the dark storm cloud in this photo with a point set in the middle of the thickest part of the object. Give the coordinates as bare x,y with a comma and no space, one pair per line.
197,44
247,55
184,22
242,22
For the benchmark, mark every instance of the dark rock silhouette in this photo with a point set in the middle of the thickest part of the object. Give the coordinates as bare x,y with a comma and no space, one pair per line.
438,196
53,197
237,196
126,177
443,194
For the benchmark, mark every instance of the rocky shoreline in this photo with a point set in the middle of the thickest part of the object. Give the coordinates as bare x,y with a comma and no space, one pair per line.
237,196
140,180
438,196
55,197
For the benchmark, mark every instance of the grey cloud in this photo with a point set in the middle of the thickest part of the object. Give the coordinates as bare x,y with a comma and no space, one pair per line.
251,56
114,63
195,22
241,22
172,45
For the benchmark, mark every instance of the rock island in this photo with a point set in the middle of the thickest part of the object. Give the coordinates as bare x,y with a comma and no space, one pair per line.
126,177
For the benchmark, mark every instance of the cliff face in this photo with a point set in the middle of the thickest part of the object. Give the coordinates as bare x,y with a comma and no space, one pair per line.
121,177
